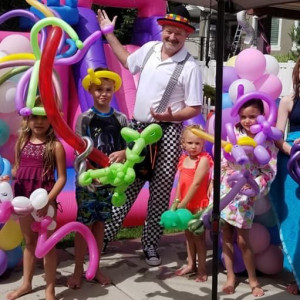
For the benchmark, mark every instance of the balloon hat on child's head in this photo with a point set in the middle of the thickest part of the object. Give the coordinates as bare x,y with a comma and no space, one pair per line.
95,77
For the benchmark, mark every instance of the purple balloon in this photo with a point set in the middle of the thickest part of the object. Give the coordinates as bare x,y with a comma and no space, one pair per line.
3,262
293,163
27,14
196,120
237,181
229,76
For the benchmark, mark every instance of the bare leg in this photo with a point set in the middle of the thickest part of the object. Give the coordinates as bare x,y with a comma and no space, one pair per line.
244,245
228,231
98,231
50,265
199,241
191,252
28,259
75,281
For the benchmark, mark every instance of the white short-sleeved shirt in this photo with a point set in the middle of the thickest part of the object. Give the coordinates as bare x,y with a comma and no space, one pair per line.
155,77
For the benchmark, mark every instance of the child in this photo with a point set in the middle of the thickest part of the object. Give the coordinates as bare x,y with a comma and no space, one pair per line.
37,154
239,213
103,124
192,192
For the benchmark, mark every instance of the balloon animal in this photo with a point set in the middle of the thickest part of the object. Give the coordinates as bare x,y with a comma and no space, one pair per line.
22,206
121,175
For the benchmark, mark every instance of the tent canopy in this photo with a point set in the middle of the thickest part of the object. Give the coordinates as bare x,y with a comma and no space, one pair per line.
279,8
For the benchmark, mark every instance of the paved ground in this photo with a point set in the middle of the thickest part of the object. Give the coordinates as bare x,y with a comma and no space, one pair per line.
133,279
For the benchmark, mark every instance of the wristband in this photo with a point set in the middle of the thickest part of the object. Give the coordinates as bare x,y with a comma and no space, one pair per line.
108,29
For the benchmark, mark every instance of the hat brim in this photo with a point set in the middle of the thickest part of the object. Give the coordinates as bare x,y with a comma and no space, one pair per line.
188,28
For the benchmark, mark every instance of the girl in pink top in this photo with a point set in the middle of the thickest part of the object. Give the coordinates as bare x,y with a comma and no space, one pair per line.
192,191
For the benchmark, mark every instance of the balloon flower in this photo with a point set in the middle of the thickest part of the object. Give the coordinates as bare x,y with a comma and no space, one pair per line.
121,175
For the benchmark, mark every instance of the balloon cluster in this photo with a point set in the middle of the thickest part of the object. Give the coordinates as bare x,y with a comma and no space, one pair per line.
121,175
255,71
32,61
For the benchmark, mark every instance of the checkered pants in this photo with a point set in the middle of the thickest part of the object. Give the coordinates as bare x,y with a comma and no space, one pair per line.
160,188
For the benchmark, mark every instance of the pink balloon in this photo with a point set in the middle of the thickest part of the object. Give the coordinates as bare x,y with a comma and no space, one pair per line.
44,244
259,238
250,64
270,261
262,205
269,84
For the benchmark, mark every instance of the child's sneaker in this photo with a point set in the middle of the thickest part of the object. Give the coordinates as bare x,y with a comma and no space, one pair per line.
152,257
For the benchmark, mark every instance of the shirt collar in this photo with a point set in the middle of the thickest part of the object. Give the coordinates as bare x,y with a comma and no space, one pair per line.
179,56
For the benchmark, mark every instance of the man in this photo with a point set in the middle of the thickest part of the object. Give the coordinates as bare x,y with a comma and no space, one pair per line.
157,100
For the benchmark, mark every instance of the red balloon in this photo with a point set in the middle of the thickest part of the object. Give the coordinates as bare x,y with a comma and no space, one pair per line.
48,99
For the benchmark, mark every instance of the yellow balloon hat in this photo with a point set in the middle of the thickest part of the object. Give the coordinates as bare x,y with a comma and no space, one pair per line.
94,77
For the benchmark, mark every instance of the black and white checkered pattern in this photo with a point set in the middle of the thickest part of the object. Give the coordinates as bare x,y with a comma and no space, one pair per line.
160,188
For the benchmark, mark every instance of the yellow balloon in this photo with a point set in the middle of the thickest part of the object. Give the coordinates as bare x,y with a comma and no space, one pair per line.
41,7
231,61
17,56
10,235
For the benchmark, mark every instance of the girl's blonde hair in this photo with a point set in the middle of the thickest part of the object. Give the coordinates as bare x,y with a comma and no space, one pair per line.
187,129
24,136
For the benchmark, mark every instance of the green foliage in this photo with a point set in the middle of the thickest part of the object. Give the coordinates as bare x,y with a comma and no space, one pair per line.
209,92
295,37
124,23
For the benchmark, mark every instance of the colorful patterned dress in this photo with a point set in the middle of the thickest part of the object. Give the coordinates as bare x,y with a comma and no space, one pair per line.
241,210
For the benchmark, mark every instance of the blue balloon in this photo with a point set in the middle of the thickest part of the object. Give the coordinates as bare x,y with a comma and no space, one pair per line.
226,101
14,256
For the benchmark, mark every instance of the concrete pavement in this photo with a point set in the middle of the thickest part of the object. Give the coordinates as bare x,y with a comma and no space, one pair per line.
133,279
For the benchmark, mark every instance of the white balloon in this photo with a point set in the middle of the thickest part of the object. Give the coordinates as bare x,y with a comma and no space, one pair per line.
7,97
16,43
6,193
233,89
39,198
272,65
21,201
3,71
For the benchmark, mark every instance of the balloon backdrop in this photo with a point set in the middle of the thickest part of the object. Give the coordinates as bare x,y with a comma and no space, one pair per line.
250,64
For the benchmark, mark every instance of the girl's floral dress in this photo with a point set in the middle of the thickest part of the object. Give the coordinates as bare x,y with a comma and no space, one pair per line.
241,210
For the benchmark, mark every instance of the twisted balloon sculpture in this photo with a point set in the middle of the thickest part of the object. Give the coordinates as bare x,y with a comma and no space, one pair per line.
183,219
121,175
22,206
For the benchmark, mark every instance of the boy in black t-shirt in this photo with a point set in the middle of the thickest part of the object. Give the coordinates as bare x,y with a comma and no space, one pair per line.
103,125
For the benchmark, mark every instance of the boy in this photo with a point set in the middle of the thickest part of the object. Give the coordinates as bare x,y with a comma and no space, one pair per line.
102,124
